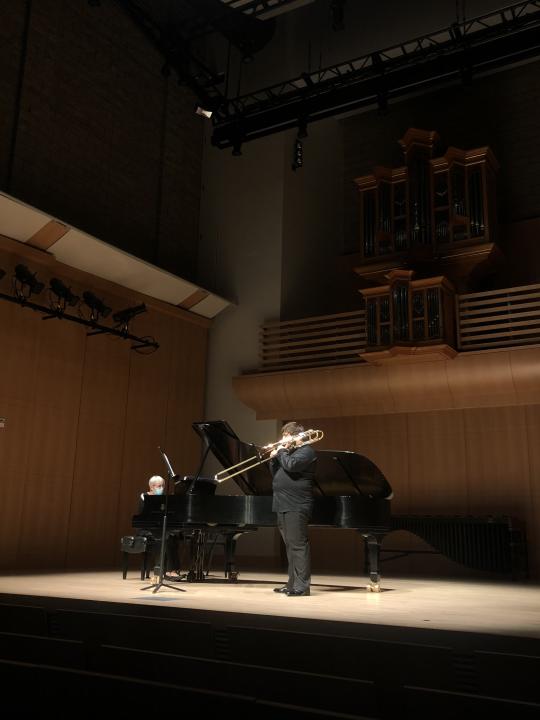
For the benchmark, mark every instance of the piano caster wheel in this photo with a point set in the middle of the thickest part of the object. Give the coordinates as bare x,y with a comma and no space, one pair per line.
374,587
233,576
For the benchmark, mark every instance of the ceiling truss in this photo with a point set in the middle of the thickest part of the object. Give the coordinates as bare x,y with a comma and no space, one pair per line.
460,51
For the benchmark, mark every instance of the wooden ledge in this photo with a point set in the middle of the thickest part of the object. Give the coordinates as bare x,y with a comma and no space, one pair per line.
401,354
492,378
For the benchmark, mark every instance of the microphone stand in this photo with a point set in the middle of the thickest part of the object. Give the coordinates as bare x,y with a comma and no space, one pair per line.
156,586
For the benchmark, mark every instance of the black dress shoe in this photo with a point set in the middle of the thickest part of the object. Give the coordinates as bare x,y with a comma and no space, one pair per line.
297,593
282,590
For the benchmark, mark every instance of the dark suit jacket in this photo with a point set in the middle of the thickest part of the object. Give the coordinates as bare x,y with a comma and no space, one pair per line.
293,472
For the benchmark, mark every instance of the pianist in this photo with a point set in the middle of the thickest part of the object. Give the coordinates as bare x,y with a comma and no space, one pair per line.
156,486
292,465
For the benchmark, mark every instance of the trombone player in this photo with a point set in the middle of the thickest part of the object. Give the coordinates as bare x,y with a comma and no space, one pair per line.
292,464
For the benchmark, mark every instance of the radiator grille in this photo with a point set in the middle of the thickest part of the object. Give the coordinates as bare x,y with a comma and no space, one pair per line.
495,544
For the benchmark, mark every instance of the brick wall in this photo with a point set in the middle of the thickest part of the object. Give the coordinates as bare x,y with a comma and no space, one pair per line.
99,137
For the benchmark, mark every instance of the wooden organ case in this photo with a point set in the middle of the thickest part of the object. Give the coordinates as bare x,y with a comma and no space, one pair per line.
434,220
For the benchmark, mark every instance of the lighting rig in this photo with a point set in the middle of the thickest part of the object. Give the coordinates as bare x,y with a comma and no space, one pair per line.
457,53
90,309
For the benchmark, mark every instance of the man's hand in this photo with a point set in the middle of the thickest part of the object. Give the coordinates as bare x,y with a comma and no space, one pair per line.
277,449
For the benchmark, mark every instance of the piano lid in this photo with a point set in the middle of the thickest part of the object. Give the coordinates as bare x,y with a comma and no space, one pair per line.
227,447
338,472
343,472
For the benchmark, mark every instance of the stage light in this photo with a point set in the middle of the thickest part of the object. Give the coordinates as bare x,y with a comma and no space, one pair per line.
63,293
96,305
122,317
26,283
199,110
207,106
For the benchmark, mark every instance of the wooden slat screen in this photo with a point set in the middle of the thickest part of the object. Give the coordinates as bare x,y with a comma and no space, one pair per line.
324,340
499,318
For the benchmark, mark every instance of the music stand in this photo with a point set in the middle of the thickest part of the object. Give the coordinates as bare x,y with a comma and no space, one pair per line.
160,583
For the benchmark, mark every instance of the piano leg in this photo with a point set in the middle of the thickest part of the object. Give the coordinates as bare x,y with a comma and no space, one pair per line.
230,552
230,549
372,546
198,553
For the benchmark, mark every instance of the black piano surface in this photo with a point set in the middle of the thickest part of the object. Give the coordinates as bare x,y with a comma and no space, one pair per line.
349,492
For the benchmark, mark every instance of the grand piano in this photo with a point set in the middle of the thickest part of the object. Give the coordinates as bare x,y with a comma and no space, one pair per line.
350,492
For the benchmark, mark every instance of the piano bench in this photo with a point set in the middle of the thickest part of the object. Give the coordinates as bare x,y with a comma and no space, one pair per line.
136,545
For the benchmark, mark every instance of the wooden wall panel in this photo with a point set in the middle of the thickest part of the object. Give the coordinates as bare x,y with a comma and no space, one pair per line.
419,385
476,461
146,419
495,378
533,446
384,440
84,419
497,460
100,446
526,375
499,449
185,401
482,379
53,433
17,364
437,463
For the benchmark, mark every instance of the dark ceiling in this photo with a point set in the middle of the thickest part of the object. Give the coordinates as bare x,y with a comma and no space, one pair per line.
185,31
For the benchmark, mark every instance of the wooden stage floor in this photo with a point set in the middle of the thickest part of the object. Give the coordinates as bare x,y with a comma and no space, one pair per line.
420,648
470,606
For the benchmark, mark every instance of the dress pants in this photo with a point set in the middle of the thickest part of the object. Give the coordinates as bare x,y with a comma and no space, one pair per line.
293,526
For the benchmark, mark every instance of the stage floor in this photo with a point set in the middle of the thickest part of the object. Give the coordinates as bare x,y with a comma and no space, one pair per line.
496,608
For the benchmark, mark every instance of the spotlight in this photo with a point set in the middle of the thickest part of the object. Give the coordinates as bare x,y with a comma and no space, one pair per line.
122,317
26,283
298,155
200,110
207,106
63,293
96,305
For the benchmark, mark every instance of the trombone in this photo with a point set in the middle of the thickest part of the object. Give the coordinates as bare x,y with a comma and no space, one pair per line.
307,437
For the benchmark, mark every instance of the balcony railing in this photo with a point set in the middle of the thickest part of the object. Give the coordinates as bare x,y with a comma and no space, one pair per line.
499,318
492,319
313,342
